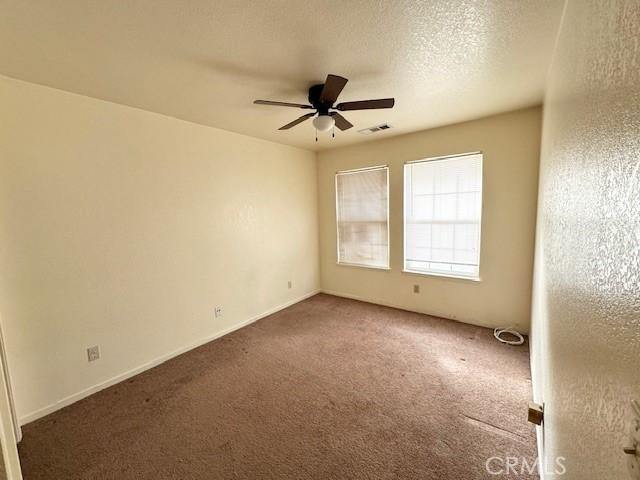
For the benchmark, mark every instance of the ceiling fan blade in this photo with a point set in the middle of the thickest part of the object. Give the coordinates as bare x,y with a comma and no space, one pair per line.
341,122
333,85
297,121
281,104
366,104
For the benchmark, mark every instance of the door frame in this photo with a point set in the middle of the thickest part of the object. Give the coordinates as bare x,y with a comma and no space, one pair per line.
17,429
8,421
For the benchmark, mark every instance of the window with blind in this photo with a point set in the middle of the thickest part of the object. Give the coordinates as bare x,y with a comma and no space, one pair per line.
442,213
362,210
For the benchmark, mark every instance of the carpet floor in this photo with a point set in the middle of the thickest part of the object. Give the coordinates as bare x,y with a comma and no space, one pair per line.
328,388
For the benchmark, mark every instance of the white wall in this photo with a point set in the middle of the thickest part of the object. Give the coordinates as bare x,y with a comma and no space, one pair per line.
586,305
511,146
124,228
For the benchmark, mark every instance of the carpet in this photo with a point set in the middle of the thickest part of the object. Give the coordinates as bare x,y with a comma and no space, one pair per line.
328,388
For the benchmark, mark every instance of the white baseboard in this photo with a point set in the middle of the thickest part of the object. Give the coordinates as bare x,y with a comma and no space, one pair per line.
30,417
385,304
404,307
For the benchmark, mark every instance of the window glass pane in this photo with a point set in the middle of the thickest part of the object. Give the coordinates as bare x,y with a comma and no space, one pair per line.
362,215
443,205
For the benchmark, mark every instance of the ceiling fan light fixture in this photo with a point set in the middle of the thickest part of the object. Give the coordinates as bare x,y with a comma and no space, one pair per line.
323,123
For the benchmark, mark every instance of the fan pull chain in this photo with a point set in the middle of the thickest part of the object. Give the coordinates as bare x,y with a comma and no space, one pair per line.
316,134
333,131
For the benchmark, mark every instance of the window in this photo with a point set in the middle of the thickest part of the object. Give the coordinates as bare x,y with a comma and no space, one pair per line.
442,211
362,209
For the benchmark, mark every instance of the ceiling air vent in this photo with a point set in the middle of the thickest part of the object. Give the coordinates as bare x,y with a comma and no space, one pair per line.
377,128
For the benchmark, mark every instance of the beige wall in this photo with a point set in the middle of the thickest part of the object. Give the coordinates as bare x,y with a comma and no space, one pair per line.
124,228
586,315
510,143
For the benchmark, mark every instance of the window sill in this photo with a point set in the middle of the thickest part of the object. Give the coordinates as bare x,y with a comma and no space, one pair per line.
343,264
443,275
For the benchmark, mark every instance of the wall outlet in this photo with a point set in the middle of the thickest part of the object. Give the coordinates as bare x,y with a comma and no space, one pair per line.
416,289
217,312
93,353
289,284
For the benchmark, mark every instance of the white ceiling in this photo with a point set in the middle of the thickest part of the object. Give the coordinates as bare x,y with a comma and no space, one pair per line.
206,60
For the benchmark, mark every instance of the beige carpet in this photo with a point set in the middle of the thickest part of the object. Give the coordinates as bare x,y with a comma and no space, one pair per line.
327,389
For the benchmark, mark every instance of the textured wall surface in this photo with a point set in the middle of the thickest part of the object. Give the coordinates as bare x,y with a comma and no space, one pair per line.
586,305
125,228
511,146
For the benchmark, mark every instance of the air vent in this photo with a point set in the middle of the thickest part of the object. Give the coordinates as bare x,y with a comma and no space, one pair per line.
377,128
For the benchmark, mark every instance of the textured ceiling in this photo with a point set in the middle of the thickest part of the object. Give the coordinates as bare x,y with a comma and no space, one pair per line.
206,61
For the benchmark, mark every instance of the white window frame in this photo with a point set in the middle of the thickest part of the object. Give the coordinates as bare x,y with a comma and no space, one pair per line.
359,265
458,276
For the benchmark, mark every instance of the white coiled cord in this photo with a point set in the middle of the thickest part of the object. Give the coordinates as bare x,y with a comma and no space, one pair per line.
510,330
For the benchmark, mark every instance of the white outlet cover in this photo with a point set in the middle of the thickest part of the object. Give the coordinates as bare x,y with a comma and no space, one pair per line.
217,312
93,353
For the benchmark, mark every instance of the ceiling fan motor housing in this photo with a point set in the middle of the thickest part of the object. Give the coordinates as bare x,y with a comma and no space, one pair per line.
314,99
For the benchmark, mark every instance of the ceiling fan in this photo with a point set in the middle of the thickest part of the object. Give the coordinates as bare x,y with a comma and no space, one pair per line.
322,98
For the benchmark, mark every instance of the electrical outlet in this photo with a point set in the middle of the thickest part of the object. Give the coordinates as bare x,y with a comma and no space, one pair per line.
289,284
217,312
93,353
416,289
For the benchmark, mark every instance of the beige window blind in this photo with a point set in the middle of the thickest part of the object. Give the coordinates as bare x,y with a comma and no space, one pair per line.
362,209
